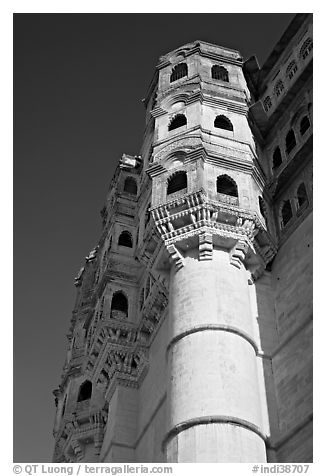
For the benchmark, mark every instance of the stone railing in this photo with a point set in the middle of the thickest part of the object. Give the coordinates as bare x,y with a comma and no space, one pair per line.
195,211
82,406
228,199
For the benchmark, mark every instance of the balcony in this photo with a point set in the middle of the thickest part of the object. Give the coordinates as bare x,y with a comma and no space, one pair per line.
78,429
195,210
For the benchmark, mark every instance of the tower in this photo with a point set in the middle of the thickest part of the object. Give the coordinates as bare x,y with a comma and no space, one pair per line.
174,329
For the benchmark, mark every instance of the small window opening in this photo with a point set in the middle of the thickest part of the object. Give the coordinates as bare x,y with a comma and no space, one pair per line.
304,125
222,122
262,206
220,73
290,141
179,71
125,239
286,212
178,121
119,306
130,186
302,195
226,186
291,69
267,103
277,158
85,391
306,48
177,182
279,87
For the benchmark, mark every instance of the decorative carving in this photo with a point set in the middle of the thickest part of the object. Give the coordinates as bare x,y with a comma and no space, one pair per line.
92,254
205,246
238,253
186,144
78,450
79,277
130,161
175,256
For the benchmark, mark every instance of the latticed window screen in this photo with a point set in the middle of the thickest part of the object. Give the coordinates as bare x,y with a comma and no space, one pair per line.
226,186
279,87
178,121
306,48
267,103
291,69
179,71
220,73
177,182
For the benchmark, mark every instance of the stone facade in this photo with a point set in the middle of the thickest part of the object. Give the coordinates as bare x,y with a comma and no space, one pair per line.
190,339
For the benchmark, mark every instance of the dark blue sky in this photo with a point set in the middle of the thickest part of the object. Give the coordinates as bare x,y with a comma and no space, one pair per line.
78,84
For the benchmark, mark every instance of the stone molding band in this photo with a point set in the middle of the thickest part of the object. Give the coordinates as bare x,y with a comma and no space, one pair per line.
213,327
212,419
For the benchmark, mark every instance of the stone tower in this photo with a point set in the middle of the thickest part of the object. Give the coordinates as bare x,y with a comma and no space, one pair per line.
174,329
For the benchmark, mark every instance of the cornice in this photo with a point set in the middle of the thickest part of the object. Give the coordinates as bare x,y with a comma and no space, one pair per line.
198,48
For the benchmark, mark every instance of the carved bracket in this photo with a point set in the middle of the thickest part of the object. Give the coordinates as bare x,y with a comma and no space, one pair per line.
238,253
175,256
205,246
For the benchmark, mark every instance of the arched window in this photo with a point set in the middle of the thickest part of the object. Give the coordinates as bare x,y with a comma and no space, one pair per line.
277,158
304,125
130,186
262,207
291,69
219,72
119,306
286,212
85,391
178,121
279,87
290,141
176,182
125,239
179,71
302,195
226,186
267,103
306,48
222,122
